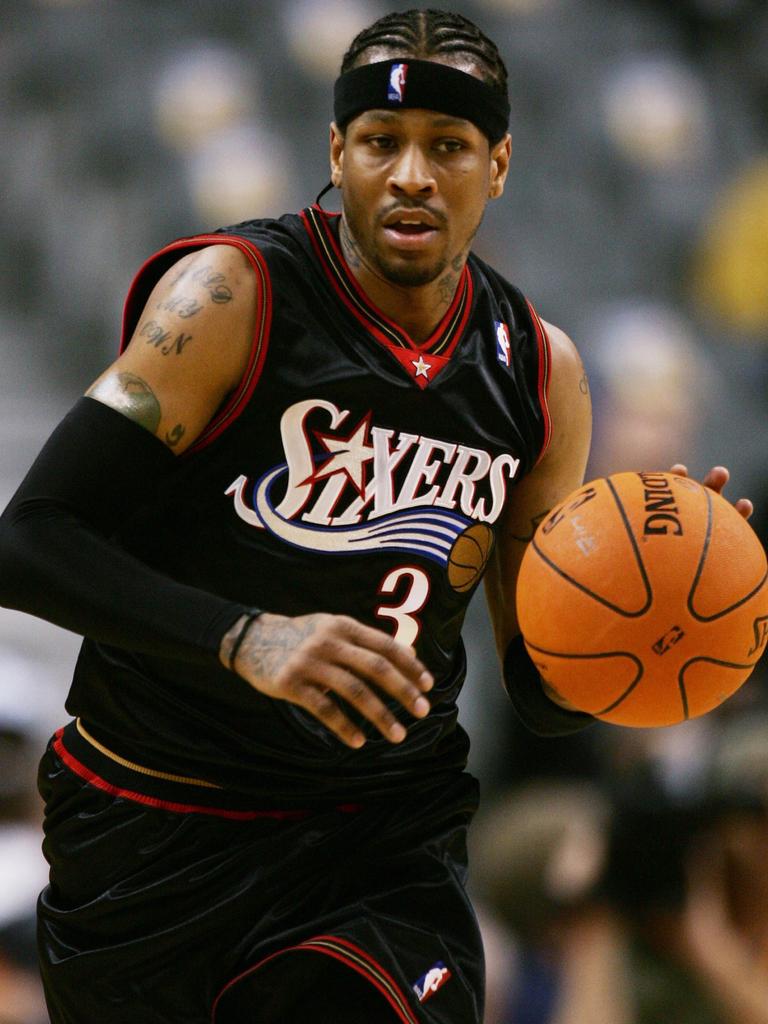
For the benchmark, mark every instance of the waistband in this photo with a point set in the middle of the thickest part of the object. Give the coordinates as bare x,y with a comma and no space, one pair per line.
106,769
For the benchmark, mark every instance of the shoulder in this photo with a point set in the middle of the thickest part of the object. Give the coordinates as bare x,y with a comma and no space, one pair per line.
564,355
204,265
568,396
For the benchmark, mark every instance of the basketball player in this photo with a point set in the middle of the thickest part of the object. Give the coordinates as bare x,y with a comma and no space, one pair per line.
266,518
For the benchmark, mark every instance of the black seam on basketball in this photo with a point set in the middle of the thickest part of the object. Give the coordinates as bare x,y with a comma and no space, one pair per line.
462,565
602,654
710,661
585,590
635,548
702,559
700,570
683,690
590,593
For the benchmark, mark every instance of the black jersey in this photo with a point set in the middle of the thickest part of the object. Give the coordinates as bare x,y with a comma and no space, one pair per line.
353,471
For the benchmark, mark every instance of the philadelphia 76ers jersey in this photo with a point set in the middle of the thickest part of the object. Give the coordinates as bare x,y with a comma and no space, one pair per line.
353,471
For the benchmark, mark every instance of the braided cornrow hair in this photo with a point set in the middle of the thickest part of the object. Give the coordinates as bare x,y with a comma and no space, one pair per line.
421,34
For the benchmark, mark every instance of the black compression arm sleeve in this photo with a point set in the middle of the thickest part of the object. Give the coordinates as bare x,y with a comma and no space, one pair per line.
56,561
535,710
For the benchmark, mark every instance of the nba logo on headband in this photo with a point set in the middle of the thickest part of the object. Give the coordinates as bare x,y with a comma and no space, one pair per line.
396,88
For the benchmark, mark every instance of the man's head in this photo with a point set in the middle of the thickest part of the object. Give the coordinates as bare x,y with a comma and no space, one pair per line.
420,143
430,35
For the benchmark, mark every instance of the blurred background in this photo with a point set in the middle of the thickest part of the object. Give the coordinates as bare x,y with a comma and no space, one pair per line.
620,873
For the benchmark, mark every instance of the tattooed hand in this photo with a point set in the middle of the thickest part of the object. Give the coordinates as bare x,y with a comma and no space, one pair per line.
321,662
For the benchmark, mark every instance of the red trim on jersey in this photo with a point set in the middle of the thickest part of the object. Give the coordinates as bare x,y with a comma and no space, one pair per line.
443,339
464,312
93,779
346,953
545,363
241,395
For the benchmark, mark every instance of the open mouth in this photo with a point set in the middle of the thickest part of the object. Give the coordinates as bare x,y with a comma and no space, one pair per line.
403,227
409,232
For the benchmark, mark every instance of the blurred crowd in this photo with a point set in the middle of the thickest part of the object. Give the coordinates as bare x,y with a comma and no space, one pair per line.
620,873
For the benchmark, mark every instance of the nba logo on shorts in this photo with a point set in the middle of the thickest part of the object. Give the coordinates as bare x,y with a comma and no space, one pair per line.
430,982
503,352
397,76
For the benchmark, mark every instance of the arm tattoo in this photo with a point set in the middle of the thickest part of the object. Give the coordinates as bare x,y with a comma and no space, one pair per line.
156,335
131,396
269,644
173,437
184,307
584,385
214,282
534,523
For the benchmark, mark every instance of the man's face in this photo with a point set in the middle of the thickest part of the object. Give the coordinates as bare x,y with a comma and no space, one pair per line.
414,187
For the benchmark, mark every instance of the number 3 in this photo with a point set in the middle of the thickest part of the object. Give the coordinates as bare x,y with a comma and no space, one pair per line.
405,613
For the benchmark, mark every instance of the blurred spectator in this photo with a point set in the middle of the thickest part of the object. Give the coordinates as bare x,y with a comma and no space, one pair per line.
641,902
652,384
730,271
538,854
22,868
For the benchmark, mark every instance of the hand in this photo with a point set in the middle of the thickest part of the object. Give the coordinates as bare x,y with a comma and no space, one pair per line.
310,660
716,479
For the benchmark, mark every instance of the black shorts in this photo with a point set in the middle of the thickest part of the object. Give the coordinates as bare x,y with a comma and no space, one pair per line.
170,903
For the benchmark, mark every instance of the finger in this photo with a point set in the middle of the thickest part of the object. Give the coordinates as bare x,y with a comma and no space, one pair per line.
679,469
327,711
716,478
376,668
403,657
744,507
354,691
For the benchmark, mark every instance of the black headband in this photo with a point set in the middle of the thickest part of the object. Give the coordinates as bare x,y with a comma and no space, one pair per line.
394,84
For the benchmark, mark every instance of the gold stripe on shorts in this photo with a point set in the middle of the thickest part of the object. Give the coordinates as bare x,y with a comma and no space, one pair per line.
167,776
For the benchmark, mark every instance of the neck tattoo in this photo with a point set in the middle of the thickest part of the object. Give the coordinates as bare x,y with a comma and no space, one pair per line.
349,247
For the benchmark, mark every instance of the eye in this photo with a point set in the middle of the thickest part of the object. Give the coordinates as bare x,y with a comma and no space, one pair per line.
381,141
450,145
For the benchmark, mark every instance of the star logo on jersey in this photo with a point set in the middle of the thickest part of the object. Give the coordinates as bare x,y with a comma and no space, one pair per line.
421,367
348,455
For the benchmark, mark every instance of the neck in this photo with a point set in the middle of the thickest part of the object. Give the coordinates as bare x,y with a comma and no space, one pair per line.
418,309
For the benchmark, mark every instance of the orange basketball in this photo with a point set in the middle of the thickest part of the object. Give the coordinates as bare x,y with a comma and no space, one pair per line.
643,599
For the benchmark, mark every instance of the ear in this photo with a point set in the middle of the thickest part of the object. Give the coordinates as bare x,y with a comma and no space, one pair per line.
337,154
500,156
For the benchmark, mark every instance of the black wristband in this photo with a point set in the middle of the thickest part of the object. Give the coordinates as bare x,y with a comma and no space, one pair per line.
534,708
238,643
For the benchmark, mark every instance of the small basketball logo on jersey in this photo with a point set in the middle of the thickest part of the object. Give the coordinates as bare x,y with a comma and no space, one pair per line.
430,982
397,76
503,349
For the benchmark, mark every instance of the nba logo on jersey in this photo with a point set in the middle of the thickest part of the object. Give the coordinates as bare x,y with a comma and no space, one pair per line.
397,76
503,352
430,982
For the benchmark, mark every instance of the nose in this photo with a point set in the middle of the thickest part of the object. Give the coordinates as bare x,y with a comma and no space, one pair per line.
412,174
